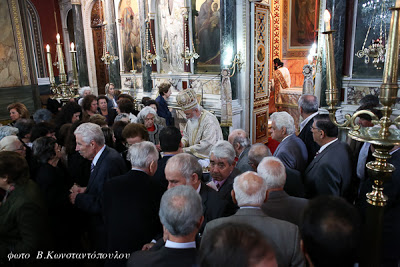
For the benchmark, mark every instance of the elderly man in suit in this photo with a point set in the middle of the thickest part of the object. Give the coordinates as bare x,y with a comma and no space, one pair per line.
291,150
181,215
331,171
184,169
279,204
131,203
249,191
106,163
308,106
257,152
223,171
241,143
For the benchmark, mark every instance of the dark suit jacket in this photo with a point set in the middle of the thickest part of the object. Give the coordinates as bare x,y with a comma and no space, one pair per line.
130,213
164,257
284,207
242,163
225,192
159,177
213,205
293,153
306,136
330,172
283,236
110,164
294,185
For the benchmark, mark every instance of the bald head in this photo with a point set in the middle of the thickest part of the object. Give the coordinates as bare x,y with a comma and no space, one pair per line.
256,153
249,189
236,132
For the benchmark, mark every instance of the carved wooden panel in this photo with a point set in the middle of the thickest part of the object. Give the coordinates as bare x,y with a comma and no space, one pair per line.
261,56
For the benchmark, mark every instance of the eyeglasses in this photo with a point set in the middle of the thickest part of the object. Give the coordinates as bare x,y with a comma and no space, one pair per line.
314,128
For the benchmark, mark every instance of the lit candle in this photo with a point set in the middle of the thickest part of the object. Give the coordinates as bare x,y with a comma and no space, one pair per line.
133,67
327,19
58,38
50,65
72,47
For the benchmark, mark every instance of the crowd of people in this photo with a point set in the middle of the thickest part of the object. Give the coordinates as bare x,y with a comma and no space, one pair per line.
101,177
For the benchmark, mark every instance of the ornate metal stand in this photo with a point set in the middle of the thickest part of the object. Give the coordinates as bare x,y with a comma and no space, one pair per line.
383,138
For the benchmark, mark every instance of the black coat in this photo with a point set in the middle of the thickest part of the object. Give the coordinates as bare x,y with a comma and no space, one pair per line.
130,213
307,137
164,257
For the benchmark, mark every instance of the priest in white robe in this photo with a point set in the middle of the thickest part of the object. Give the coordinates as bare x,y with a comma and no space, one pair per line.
202,129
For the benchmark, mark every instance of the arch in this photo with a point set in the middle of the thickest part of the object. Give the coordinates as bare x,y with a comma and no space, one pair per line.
37,46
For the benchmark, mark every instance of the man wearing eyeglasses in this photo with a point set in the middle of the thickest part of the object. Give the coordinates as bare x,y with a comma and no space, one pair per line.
331,170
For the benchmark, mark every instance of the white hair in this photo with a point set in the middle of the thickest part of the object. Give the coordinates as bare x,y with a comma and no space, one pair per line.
142,154
223,150
284,119
272,170
90,131
83,89
249,191
144,112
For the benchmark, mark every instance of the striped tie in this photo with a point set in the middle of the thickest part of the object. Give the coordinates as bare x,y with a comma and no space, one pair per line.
91,167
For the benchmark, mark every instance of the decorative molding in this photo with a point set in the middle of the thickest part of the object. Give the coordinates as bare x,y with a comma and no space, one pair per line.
276,39
20,42
261,57
34,23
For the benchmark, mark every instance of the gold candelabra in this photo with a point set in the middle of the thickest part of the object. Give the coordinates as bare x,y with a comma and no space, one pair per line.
107,58
383,138
237,60
61,92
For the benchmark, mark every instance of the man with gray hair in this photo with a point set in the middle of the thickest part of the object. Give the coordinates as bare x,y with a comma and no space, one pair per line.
257,152
184,169
279,204
181,214
106,163
291,150
131,203
222,170
249,192
308,107
241,144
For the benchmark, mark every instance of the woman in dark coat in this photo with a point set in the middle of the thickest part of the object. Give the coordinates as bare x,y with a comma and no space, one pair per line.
23,216
165,91
52,178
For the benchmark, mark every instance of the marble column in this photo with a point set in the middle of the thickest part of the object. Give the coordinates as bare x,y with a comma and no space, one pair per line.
228,37
111,43
337,8
80,43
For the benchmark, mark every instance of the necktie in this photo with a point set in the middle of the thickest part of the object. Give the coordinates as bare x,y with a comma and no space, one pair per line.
218,186
91,167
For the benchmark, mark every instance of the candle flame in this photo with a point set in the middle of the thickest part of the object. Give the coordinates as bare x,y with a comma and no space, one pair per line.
48,48
327,15
72,46
58,37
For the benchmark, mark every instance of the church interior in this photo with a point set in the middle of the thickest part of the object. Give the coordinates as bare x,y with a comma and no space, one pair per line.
224,50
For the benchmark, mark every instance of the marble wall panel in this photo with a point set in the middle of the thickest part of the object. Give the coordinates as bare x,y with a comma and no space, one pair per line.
9,69
295,67
355,93
170,35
